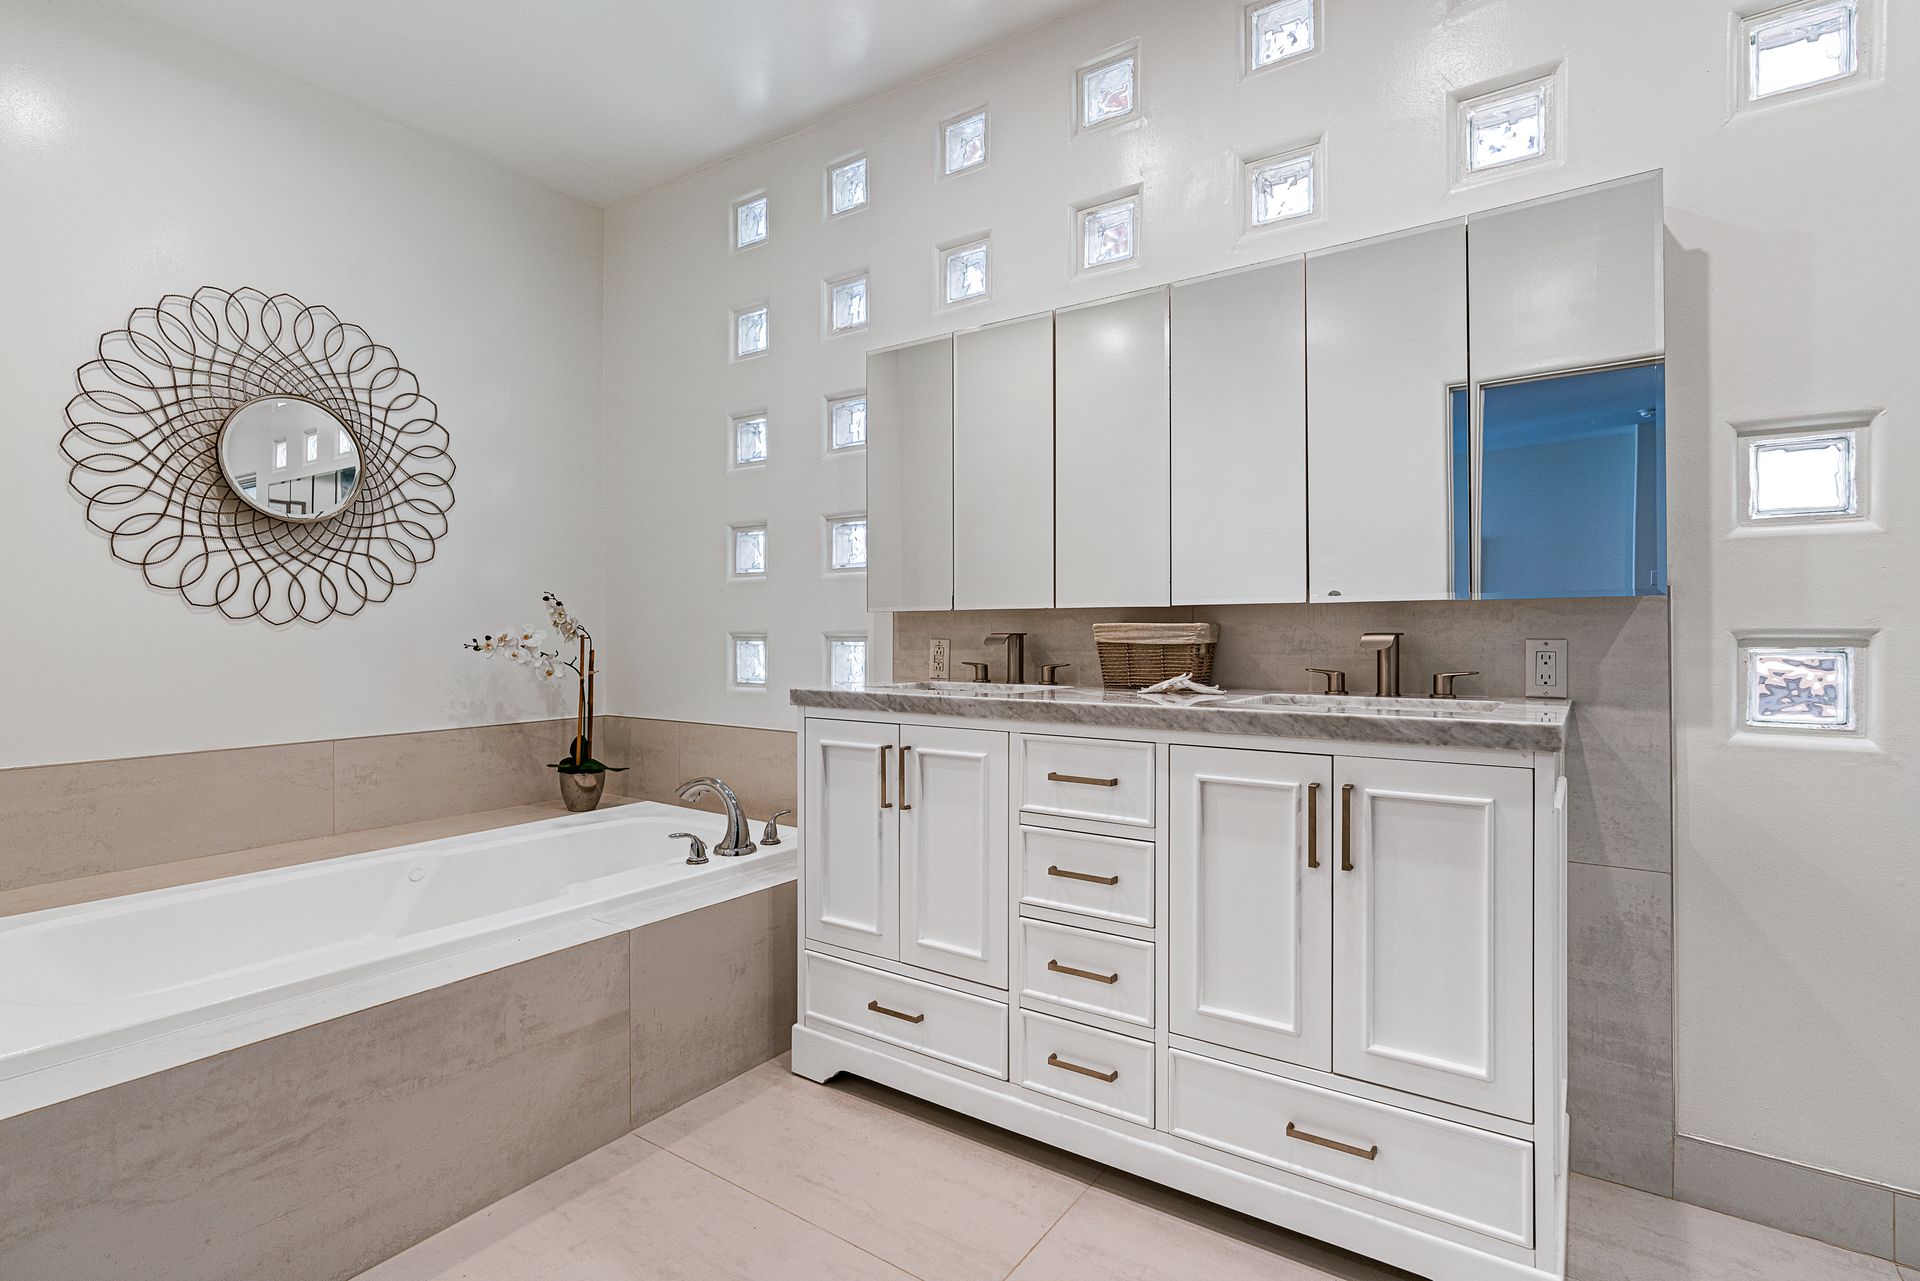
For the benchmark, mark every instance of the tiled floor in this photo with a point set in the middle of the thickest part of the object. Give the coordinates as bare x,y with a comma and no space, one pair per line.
772,1177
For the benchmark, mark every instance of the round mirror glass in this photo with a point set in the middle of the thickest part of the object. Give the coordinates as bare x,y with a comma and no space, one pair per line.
289,458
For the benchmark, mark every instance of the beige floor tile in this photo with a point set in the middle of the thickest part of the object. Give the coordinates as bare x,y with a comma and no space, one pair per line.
1618,1234
629,1211
942,1197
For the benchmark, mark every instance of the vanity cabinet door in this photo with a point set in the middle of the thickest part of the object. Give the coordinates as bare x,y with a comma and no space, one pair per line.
1111,450
1003,466
1250,890
852,818
1433,923
953,817
910,477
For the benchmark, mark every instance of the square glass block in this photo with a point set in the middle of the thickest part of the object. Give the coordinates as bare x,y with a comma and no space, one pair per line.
966,143
1507,128
749,222
750,332
1800,688
1106,234
1282,189
749,441
279,455
312,446
1106,92
343,443
1801,476
966,273
750,551
847,423
847,662
847,186
847,543
1805,44
849,305
1280,31
749,660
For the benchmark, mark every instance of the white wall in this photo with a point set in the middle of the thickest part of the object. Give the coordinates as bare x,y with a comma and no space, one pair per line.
1794,279
135,163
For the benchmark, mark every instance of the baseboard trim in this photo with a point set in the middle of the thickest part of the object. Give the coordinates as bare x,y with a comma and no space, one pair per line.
1801,1199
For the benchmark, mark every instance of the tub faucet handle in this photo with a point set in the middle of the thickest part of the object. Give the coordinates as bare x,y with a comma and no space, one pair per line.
696,848
771,836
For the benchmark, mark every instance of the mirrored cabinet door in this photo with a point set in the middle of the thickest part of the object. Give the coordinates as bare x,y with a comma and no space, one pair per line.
1003,466
910,477
1240,433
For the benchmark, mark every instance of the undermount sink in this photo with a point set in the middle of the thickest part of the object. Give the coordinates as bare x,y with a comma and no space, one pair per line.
965,687
1362,702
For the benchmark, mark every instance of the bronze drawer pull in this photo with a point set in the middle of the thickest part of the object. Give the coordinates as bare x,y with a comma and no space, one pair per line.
1053,777
878,1008
1058,968
1054,1060
1084,876
904,807
1313,825
885,804
1346,827
1365,1154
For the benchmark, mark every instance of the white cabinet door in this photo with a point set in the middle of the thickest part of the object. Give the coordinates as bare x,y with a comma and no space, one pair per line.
953,851
1111,451
1251,901
1386,344
910,477
851,848
1240,437
1433,922
1003,466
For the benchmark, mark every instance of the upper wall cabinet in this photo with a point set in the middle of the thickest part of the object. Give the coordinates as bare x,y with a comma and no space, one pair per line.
1386,352
1240,431
1003,466
910,477
1112,447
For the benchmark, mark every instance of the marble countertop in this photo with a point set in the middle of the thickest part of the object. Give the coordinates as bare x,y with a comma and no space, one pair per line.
1466,722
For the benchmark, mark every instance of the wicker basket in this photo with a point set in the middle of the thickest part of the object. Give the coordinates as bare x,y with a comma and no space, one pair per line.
1135,655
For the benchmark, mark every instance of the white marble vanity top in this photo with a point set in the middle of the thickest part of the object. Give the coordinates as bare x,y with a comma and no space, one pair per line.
1461,722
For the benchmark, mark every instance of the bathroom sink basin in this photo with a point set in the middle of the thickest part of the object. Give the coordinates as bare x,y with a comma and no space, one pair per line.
964,687
1366,702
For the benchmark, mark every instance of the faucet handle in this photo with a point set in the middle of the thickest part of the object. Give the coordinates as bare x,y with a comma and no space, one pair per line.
1335,679
771,836
1443,683
979,669
1050,672
696,848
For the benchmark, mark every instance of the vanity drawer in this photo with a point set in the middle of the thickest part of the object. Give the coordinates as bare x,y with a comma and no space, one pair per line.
1104,876
1452,1172
1086,970
954,1027
1102,779
1109,1073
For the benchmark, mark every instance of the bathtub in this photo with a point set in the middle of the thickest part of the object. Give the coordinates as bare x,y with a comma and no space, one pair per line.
99,993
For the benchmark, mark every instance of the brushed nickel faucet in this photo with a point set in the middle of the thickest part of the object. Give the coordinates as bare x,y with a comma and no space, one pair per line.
734,843
1386,662
1016,643
1334,678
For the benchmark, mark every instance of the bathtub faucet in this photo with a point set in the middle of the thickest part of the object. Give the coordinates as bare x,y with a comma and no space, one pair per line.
735,842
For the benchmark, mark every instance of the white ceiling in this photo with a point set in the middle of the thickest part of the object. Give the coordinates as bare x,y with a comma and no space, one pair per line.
604,98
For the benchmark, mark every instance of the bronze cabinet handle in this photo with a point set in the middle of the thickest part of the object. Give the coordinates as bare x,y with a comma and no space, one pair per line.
1053,777
878,1008
904,807
1054,1060
1083,876
1365,1154
1313,825
1058,968
1346,827
885,804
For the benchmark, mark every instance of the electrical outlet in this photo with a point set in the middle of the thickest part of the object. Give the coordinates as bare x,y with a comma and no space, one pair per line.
1547,669
937,660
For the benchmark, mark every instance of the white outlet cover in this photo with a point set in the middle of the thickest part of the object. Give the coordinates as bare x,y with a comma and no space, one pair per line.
1546,672
937,660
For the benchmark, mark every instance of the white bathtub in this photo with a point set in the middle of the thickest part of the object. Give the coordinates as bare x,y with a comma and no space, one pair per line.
102,992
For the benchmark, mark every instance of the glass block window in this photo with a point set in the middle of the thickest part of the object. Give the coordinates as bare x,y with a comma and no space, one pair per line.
1107,233
749,332
749,222
312,444
847,305
847,186
1107,92
279,454
1800,46
964,143
344,444
847,543
1277,32
1506,127
846,661
964,271
749,551
750,441
847,422
749,659
1801,476
1280,189
1800,688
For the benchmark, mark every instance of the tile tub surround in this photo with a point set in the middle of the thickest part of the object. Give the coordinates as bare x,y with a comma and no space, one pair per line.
759,764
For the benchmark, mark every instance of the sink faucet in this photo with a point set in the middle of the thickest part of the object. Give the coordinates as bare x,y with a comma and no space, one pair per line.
1386,662
1016,643
735,842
